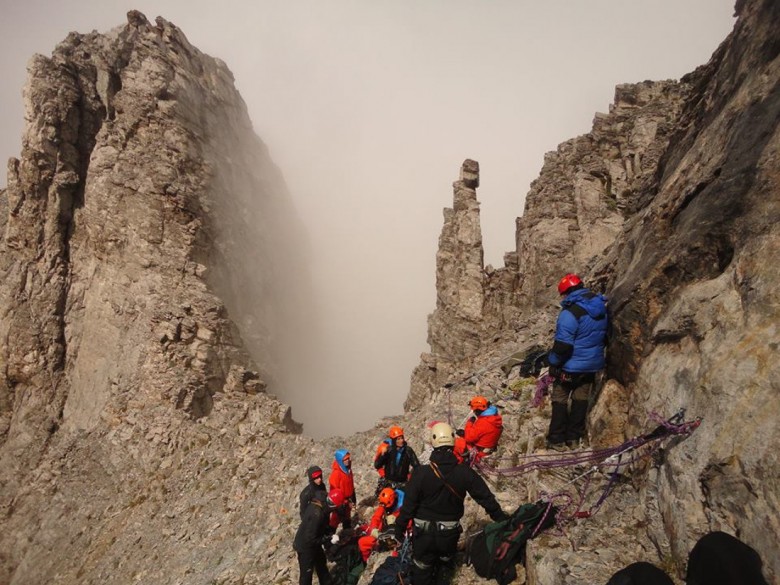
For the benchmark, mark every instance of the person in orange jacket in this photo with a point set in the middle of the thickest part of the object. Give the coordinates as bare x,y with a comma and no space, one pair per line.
341,478
482,431
390,502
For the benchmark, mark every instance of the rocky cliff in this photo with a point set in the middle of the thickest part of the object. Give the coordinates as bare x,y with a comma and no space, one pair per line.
140,442
141,204
669,206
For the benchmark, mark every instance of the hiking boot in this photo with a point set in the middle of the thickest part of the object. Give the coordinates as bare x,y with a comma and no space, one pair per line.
573,444
556,446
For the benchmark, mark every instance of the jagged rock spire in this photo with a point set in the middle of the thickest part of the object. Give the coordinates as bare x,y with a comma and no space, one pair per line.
453,328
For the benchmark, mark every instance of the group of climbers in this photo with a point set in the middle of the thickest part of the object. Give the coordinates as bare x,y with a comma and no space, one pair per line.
426,501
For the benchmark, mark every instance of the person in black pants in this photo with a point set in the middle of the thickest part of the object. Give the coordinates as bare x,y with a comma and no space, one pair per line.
313,530
577,355
434,502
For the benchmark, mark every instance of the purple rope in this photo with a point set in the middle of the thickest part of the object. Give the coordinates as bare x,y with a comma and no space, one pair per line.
545,461
543,384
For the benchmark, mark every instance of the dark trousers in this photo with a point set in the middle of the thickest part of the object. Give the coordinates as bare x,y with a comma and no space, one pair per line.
433,556
310,560
565,424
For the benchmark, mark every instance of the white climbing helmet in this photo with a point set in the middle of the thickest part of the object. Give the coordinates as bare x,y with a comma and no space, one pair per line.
442,435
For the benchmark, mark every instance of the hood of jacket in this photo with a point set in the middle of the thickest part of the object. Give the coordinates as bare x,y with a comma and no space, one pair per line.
311,471
491,410
594,304
339,457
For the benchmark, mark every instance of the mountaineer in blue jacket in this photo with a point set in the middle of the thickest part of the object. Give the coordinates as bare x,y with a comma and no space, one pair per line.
575,358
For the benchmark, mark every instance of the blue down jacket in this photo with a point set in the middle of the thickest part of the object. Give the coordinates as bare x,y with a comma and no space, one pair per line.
581,333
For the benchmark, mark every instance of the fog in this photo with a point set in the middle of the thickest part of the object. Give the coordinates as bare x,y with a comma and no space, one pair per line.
369,107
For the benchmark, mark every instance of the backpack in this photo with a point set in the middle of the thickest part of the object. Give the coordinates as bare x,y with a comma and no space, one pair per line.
393,571
349,563
533,362
496,550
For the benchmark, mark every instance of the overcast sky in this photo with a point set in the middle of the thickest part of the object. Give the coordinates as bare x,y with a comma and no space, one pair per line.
370,106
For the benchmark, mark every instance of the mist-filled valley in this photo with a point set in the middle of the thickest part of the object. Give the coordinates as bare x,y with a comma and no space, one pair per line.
367,112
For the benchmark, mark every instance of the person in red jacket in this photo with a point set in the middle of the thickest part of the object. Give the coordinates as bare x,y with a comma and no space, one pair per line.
482,431
341,478
386,512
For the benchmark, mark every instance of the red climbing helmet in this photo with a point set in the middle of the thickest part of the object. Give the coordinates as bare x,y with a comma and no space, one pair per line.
478,403
395,432
567,282
335,497
387,497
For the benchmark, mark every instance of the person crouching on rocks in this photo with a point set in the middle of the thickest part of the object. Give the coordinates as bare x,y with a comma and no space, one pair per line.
482,431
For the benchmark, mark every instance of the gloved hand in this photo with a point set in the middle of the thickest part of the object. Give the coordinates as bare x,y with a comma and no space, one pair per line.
500,517
460,432
555,372
334,539
374,533
390,520
472,419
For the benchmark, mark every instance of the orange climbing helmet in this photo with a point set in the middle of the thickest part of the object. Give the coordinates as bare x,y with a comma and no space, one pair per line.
387,497
479,403
567,282
395,432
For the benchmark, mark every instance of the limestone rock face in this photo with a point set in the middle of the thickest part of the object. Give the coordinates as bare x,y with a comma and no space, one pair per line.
139,200
696,318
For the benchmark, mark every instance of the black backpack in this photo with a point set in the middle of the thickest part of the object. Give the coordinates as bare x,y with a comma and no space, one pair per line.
496,550
393,571
533,362
349,563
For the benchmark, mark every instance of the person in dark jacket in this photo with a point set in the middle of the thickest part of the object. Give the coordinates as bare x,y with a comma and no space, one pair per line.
576,356
434,501
312,531
316,484
397,460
